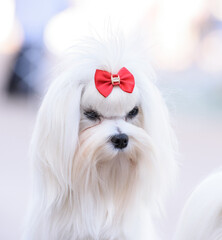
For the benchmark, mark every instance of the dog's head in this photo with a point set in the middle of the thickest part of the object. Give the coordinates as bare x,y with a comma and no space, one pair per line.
82,136
110,127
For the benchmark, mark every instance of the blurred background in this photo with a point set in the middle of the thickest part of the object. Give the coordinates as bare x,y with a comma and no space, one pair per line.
185,39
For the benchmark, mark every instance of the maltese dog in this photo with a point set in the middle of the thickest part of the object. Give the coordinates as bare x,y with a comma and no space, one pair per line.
202,215
102,149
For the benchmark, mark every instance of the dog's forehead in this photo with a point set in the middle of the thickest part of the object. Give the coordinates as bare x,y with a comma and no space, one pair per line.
117,104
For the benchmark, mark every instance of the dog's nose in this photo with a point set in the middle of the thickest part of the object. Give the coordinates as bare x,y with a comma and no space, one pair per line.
120,140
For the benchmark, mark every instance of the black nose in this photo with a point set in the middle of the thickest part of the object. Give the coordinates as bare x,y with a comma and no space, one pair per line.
120,140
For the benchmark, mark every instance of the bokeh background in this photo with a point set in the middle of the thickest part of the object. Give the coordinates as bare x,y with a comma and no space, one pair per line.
185,42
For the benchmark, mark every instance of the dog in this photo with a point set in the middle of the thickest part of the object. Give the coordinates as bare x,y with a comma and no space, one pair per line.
201,218
103,149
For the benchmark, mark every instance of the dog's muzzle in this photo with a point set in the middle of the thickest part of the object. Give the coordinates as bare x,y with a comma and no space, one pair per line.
120,141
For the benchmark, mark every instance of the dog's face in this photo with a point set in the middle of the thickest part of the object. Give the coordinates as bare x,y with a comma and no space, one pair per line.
111,127
113,143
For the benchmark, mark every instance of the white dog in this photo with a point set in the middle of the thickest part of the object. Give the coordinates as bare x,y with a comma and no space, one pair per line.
102,149
202,215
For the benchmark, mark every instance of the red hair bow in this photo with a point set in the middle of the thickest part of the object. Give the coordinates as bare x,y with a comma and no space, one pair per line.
105,81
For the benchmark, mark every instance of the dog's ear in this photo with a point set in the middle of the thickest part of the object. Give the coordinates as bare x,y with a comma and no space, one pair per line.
56,132
158,126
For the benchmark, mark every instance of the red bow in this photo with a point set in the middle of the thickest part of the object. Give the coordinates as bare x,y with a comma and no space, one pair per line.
105,81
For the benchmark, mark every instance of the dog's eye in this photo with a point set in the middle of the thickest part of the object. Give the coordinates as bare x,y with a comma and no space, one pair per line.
92,115
133,113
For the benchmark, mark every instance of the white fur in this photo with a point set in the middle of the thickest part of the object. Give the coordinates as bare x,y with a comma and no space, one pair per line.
84,188
202,215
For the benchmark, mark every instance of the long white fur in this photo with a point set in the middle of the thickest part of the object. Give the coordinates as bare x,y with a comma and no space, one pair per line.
202,215
83,188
